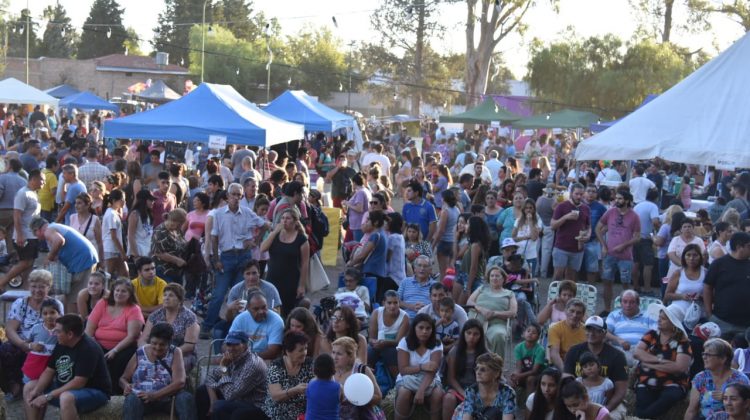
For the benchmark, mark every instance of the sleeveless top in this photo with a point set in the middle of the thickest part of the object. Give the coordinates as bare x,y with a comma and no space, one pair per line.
143,233
155,373
685,286
78,254
449,235
386,332
714,245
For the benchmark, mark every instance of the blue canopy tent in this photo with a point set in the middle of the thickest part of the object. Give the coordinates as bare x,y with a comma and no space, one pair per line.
208,110
61,91
299,107
87,100
599,127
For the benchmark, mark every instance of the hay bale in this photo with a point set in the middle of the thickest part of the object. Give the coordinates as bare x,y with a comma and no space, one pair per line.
113,410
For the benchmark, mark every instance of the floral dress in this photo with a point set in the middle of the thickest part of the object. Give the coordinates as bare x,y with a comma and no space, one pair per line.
293,407
704,384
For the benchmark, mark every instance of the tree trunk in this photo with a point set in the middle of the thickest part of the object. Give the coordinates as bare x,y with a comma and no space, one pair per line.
416,97
667,31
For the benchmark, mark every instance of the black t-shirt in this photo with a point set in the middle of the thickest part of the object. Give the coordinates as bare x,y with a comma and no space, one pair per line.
341,182
535,189
611,359
36,116
85,359
730,279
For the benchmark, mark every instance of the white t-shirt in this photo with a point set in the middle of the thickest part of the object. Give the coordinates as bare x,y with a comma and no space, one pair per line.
677,245
528,248
530,406
414,358
110,221
639,187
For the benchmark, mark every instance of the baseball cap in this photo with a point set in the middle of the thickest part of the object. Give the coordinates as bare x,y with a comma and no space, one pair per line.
236,337
351,152
707,330
596,322
508,242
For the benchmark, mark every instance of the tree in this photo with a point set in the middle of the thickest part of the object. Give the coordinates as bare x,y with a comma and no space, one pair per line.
17,36
657,17
103,32
175,22
60,38
132,42
406,26
736,10
238,17
321,65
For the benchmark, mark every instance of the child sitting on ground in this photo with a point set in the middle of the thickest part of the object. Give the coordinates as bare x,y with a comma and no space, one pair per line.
41,341
446,329
599,388
322,393
530,359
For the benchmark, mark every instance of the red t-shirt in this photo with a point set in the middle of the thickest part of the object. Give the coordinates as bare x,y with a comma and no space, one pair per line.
565,236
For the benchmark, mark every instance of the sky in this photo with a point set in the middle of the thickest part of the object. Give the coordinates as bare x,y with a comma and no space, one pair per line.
586,17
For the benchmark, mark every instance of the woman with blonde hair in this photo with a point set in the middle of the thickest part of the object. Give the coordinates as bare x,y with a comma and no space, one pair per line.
732,216
344,351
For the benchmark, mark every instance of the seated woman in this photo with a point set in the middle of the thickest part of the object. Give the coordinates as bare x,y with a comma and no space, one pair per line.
116,324
288,377
490,397
419,357
736,403
183,321
665,356
705,395
301,320
573,403
494,305
554,310
686,284
154,375
92,294
541,403
345,324
345,362
388,325
24,314
461,363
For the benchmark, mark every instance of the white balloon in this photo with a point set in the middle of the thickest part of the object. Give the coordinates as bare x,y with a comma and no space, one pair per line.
359,389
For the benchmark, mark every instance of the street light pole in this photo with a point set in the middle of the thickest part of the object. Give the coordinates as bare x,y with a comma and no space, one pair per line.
349,97
268,66
203,37
28,28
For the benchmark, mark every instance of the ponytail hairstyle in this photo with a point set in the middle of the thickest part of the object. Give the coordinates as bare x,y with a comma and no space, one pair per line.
109,199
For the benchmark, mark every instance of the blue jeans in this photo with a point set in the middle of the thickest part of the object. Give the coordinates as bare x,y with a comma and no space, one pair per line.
87,399
184,407
219,332
625,267
234,264
167,278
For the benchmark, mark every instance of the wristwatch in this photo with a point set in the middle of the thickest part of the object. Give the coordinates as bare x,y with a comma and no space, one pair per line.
224,370
48,397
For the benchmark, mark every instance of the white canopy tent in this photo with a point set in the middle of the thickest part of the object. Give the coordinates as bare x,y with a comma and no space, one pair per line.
13,91
704,119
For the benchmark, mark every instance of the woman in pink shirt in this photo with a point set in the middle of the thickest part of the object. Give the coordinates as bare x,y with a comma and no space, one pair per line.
116,323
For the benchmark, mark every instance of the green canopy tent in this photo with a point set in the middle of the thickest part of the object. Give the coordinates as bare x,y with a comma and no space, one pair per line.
484,113
567,118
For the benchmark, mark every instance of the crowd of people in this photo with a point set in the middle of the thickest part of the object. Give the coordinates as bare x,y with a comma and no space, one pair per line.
447,302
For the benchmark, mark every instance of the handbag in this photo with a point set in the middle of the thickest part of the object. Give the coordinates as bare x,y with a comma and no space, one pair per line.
693,314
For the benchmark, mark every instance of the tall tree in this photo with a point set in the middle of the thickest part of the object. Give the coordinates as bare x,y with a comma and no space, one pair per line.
59,39
321,64
238,16
406,27
103,32
173,33
132,42
17,36
492,21
736,10
657,17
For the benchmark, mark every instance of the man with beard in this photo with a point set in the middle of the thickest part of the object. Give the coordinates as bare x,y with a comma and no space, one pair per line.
571,222
623,228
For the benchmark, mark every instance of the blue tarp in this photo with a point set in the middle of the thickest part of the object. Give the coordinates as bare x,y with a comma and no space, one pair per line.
598,127
87,101
61,91
208,110
299,107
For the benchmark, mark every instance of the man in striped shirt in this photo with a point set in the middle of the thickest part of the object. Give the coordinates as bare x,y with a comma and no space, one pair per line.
627,325
414,292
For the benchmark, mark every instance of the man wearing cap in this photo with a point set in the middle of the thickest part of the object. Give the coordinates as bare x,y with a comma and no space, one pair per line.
612,362
545,206
726,290
341,178
571,222
565,334
628,324
240,382
623,230
263,327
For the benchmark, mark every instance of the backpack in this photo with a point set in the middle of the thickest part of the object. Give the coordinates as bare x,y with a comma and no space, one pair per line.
319,224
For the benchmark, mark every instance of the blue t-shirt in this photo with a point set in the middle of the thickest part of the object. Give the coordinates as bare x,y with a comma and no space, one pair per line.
263,334
70,197
597,211
322,400
376,263
422,214
78,253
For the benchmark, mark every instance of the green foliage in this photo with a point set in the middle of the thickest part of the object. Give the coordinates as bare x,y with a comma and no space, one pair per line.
98,40
238,17
17,35
603,75
172,35
60,38
322,64
656,18
132,45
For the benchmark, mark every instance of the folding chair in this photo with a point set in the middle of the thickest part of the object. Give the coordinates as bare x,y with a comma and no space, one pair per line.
644,304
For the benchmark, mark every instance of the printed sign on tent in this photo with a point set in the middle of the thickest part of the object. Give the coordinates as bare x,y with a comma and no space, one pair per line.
217,142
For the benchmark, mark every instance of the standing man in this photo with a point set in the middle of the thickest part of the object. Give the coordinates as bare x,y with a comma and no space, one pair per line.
643,252
232,241
92,170
25,207
10,183
623,228
164,201
598,202
251,189
726,291
420,211
378,156
30,159
493,165
341,179
545,206
75,187
76,378
151,170
73,250
535,186
640,185
572,223
303,155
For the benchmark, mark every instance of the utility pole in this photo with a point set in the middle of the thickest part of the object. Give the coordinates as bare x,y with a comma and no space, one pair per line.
28,29
349,98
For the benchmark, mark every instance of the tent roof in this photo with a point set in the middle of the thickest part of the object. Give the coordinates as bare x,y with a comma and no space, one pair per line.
567,118
210,109
159,92
87,100
61,91
483,113
704,119
13,91
299,107
597,127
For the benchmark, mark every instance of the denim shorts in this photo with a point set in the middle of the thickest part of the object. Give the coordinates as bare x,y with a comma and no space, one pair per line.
565,259
445,248
592,253
625,267
87,399
461,279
